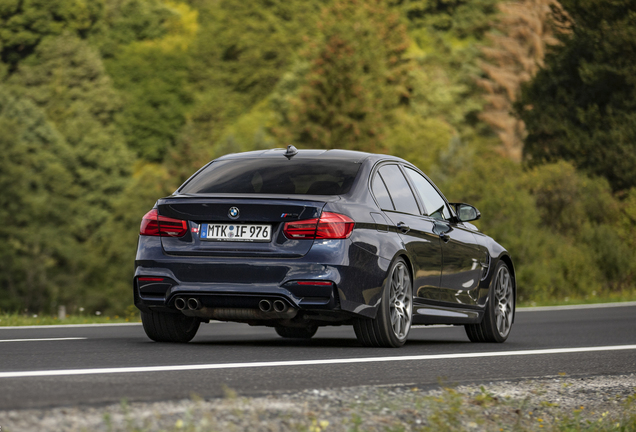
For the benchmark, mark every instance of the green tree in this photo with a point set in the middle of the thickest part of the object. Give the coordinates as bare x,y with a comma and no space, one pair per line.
153,74
241,54
66,78
247,46
447,39
445,101
357,76
518,44
24,23
114,243
37,191
582,106
126,21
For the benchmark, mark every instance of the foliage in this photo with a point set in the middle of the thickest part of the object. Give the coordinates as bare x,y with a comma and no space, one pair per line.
154,79
357,76
447,37
581,107
245,47
37,190
519,40
106,105
445,100
115,241
23,24
255,44
555,222
66,78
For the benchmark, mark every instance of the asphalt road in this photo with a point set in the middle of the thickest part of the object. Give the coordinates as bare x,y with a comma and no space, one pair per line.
44,367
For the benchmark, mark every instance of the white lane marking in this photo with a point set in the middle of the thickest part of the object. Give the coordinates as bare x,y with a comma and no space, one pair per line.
42,339
66,372
69,326
573,307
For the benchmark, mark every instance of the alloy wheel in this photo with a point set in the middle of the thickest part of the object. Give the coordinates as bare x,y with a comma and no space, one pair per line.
504,299
400,301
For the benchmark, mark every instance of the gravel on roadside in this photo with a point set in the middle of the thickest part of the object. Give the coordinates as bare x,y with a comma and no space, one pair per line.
533,404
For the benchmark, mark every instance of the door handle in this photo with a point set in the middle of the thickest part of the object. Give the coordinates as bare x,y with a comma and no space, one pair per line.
404,228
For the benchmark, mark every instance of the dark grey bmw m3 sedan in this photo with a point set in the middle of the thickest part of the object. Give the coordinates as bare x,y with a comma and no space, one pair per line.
298,239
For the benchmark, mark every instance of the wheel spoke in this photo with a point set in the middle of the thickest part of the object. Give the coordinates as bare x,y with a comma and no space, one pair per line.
394,317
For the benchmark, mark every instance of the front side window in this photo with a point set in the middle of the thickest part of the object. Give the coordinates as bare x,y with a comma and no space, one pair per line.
399,189
433,201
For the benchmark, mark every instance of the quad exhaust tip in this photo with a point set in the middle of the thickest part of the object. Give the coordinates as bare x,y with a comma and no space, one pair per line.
194,304
180,303
279,306
265,305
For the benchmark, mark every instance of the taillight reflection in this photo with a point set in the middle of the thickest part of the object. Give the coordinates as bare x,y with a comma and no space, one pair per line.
153,224
329,226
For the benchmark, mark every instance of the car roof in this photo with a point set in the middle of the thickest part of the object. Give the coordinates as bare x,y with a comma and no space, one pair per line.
351,155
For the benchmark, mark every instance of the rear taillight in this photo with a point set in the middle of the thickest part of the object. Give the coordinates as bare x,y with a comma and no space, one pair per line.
329,226
305,229
150,279
153,224
334,226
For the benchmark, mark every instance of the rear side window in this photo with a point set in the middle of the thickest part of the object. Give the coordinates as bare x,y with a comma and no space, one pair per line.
381,193
275,176
399,189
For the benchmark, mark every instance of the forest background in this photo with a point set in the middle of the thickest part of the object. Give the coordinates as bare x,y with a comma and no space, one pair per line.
525,109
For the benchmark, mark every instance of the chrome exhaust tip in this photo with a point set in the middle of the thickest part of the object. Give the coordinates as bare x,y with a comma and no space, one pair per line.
194,304
280,306
265,305
180,303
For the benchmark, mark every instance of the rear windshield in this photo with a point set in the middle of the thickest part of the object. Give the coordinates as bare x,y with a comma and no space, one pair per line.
275,176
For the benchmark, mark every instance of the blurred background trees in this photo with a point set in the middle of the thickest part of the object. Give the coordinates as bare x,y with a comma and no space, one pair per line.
582,106
523,108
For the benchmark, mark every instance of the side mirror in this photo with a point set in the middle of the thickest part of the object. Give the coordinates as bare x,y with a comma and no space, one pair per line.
466,212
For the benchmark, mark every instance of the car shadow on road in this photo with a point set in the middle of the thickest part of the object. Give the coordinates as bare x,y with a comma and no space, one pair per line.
319,343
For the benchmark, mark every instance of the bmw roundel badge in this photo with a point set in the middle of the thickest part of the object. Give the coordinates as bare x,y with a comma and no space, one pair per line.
233,213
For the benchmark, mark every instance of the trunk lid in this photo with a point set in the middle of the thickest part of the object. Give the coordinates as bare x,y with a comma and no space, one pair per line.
216,216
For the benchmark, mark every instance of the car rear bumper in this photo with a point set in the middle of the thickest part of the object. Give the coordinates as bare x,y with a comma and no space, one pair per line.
357,278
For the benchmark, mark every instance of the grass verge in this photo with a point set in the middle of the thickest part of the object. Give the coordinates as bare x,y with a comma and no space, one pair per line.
560,404
16,319
381,409
594,298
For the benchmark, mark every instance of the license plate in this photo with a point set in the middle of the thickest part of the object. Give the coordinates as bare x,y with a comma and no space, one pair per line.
236,232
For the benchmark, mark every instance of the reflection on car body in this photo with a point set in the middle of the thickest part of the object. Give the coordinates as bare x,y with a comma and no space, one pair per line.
298,239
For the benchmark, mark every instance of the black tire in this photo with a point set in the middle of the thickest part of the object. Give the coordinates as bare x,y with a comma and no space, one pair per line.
169,327
396,302
496,324
296,332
